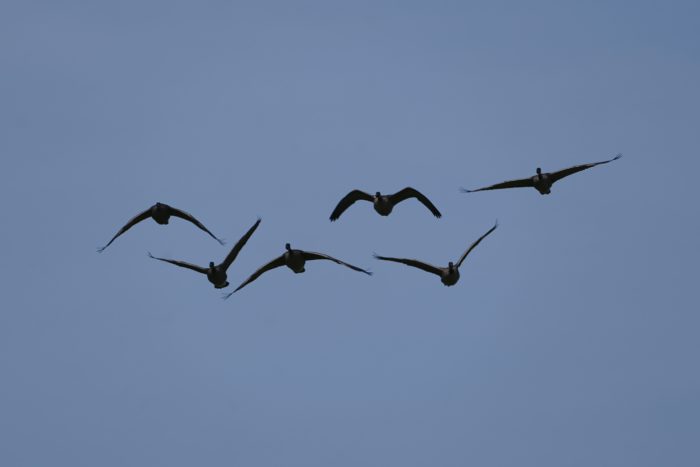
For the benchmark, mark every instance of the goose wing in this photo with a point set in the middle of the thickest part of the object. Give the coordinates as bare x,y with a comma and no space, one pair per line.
348,200
409,192
310,255
275,263
519,183
189,217
412,262
134,220
182,264
578,168
473,245
239,245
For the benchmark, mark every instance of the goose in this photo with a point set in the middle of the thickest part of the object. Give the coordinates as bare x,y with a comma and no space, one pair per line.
542,182
216,273
160,212
448,275
294,260
383,204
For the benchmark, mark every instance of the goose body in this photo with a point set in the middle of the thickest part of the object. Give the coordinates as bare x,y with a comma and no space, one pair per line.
449,275
160,213
295,260
216,273
217,276
383,204
542,181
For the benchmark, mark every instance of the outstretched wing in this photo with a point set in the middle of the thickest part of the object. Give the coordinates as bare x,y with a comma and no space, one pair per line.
275,263
182,264
310,255
239,245
578,168
189,217
135,220
412,262
409,192
348,200
520,183
473,245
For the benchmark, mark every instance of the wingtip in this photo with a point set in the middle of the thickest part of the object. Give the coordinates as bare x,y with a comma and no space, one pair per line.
226,296
257,223
464,190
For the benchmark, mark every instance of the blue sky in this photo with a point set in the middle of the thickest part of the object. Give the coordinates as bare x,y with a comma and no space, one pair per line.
571,339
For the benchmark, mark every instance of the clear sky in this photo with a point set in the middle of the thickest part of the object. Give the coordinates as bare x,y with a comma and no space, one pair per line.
570,340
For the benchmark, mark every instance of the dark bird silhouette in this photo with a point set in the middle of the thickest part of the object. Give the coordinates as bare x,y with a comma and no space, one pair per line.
160,213
383,204
448,275
216,273
294,260
542,182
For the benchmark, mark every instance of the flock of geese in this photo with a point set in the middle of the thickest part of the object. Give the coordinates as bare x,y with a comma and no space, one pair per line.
296,259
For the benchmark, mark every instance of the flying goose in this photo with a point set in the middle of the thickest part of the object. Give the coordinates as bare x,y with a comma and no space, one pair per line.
448,275
216,273
294,260
383,204
160,212
542,182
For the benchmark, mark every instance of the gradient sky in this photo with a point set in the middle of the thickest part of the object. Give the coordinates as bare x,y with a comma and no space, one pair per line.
571,339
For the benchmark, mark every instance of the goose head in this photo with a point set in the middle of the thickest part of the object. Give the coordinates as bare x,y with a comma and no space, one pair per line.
211,265
377,195
287,247
539,171
451,267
